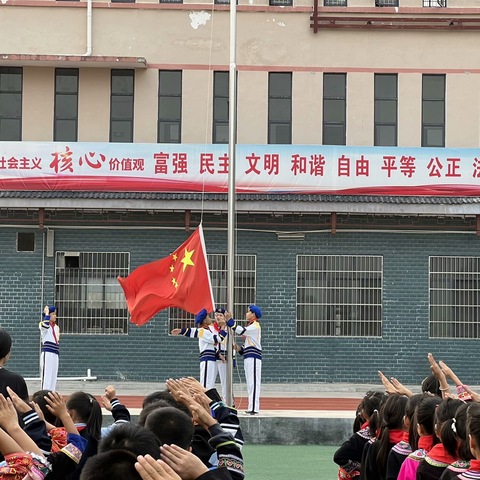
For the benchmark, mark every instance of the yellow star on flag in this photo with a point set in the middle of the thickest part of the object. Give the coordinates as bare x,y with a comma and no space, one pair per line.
187,259
175,283
172,268
174,256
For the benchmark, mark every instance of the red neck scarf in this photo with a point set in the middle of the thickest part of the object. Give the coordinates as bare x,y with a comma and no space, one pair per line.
365,425
405,437
475,465
216,327
395,436
439,454
425,442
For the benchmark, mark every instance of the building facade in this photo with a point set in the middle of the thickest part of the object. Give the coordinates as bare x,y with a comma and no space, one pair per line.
350,281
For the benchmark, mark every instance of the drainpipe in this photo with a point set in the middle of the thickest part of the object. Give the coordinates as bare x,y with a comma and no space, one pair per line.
88,53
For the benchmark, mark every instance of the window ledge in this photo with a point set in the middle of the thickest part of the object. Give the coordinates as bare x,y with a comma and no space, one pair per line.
72,61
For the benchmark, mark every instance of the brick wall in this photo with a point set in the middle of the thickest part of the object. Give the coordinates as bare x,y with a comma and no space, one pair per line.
148,353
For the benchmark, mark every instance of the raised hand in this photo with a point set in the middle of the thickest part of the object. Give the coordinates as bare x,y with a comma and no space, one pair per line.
20,405
389,388
186,464
151,469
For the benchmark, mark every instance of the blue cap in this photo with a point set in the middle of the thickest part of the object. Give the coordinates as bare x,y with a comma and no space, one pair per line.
220,310
52,308
200,316
255,310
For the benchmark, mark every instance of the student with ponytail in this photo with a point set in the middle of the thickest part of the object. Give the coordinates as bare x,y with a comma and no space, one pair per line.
87,416
409,441
424,420
446,452
349,456
459,426
473,431
374,461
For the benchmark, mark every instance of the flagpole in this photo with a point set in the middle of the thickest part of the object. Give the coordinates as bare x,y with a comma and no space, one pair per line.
232,140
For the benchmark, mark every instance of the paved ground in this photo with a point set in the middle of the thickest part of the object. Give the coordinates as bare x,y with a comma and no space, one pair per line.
302,400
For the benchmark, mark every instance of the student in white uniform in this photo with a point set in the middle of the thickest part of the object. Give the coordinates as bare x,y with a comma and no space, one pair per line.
222,353
206,344
252,354
50,335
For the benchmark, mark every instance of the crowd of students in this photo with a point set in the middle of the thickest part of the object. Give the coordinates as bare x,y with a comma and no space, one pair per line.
434,435
184,432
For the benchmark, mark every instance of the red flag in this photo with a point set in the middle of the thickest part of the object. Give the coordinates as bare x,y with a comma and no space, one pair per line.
179,280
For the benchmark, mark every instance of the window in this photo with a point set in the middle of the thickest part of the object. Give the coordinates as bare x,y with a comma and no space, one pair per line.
339,296
10,103
169,106
245,287
335,3
433,111
25,242
121,106
385,110
281,3
122,1
386,3
89,298
280,108
66,105
220,107
435,3
454,297
334,108
171,1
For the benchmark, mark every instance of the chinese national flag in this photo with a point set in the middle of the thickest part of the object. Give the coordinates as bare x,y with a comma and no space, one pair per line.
179,280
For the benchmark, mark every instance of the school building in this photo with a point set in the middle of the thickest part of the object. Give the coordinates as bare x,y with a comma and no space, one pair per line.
358,163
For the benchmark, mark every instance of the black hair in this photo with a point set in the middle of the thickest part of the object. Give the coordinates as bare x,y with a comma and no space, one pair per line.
5,343
473,422
88,410
170,425
425,416
431,384
444,415
391,414
410,414
117,464
39,398
372,403
165,396
460,428
148,409
133,438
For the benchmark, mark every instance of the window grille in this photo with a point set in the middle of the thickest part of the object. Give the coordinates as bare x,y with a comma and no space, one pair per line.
281,3
335,3
89,298
339,295
435,3
245,287
454,297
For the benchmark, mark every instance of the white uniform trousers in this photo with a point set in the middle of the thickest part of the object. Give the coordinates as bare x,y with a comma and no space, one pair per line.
48,370
253,376
208,373
222,372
